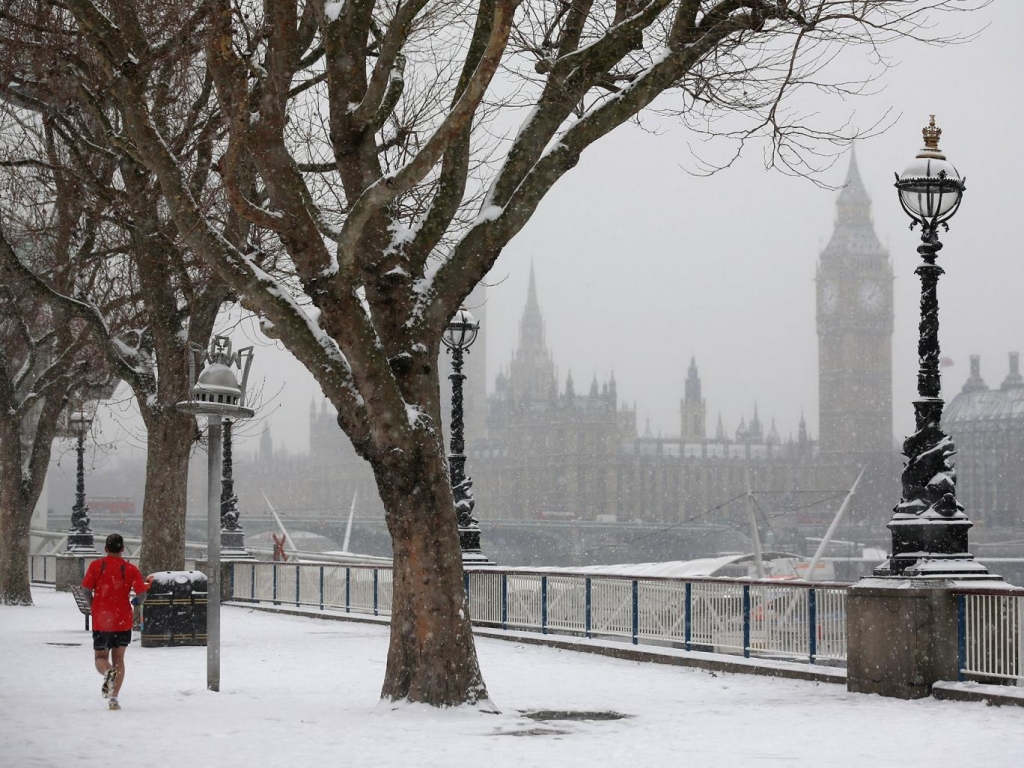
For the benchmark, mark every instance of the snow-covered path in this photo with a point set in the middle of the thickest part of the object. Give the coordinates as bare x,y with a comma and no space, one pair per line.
304,692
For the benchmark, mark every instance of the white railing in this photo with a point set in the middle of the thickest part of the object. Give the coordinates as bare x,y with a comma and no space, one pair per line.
42,569
789,620
353,589
990,636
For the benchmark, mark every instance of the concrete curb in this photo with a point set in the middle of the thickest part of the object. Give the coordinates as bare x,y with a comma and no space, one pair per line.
993,695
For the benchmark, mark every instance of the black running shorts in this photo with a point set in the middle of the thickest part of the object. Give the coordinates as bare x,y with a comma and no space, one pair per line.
105,641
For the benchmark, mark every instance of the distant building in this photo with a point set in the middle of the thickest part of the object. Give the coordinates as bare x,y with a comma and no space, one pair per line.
987,426
855,320
555,453
540,449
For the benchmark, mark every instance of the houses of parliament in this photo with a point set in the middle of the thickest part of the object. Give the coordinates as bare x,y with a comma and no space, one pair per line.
543,449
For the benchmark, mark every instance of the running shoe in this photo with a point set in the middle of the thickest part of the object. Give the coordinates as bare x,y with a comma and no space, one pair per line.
108,683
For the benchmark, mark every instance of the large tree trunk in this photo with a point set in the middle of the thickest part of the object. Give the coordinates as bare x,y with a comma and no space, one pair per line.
432,658
169,441
15,530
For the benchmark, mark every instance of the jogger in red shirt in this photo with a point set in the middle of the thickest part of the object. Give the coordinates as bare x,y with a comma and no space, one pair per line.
108,584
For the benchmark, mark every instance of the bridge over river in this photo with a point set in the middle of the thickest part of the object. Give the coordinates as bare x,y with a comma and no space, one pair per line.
510,542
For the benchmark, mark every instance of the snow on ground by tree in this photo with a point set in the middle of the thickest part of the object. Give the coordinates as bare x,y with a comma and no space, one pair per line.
300,691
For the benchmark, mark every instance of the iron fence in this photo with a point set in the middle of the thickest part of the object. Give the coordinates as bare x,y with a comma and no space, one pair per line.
789,620
990,636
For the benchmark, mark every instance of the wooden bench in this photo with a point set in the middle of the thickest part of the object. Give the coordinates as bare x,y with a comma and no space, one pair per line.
83,603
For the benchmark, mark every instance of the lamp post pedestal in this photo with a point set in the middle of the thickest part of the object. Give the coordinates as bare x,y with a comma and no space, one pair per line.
232,546
930,548
900,636
70,569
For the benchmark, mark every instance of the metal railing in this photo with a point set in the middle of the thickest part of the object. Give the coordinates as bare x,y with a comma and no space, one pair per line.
42,569
990,636
792,620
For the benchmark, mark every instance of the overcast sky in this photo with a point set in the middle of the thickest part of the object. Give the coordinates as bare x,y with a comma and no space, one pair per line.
640,264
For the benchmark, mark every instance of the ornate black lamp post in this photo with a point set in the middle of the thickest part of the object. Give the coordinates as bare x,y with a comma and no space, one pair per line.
232,535
80,537
929,527
458,338
216,394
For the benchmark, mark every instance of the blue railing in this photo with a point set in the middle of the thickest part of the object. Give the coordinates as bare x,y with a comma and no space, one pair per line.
776,619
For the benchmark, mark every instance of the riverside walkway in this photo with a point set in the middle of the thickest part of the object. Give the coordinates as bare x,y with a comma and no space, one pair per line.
302,691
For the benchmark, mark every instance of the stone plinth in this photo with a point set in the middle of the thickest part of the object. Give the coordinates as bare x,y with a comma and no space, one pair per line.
225,574
71,570
901,636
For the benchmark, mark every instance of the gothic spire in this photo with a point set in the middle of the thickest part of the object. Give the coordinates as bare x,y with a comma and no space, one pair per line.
532,371
692,393
531,326
853,203
854,234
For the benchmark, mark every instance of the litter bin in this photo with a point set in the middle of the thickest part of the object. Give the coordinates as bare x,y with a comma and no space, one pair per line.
174,612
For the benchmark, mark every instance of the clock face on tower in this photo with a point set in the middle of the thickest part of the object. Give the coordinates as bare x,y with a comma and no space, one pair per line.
871,296
829,297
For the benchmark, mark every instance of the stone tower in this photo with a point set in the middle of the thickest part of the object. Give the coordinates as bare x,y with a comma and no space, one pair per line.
855,319
692,411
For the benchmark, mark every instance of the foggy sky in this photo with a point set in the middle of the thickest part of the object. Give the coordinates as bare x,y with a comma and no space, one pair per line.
640,264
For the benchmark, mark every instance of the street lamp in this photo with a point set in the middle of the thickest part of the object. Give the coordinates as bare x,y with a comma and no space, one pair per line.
80,537
216,394
929,527
458,337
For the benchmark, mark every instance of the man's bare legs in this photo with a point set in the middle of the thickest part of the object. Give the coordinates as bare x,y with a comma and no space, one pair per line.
118,654
112,659
103,662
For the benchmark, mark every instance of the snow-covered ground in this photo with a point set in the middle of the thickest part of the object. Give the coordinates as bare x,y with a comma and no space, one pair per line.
304,692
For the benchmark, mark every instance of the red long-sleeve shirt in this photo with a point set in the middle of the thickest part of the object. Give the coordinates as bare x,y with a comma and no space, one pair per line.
111,580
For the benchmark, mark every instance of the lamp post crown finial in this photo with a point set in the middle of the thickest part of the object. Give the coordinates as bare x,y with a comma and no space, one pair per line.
931,134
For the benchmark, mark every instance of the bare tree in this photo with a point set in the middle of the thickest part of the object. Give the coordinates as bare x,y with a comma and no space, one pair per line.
44,357
148,296
355,136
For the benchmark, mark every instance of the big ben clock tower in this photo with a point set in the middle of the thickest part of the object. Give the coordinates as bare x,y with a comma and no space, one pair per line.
855,316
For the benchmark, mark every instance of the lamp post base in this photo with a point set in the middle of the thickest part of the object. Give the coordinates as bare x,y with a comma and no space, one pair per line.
80,543
931,548
929,566
232,546
469,543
